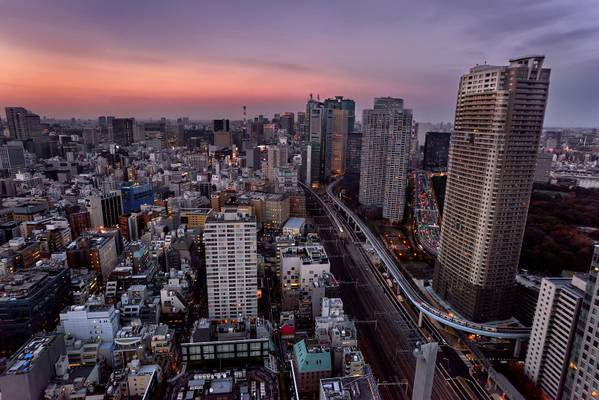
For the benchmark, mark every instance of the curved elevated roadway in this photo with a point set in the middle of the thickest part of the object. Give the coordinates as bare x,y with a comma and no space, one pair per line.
409,291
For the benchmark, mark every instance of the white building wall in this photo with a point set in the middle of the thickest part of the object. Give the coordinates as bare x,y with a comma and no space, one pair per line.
84,324
231,267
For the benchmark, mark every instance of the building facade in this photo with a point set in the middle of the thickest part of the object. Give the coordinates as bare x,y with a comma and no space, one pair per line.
22,123
123,130
134,195
436,151
553,332
105,209
231,265
385,149
583,380
492,157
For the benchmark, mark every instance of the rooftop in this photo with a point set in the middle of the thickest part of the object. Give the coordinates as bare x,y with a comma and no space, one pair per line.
205,330
349,388
26,283
310,254
230,215
24,359
313,359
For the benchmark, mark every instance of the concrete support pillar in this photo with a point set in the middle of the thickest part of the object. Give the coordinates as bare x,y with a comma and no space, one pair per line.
426,356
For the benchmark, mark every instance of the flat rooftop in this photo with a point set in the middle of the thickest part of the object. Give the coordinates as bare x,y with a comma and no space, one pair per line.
22,362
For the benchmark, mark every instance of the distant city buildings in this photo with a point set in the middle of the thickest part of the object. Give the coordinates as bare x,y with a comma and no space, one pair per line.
385,151
222,133
329,125
22,123
12,156
182,258
123,131
492,156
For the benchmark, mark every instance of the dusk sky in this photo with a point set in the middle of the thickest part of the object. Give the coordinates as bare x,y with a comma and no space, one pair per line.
201,59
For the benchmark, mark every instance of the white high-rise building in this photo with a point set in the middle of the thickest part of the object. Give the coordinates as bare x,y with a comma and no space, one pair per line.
492,158
385,152
553,333
231,264
583,380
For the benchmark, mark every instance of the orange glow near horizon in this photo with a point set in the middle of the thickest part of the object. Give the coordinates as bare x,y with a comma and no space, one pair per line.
42,80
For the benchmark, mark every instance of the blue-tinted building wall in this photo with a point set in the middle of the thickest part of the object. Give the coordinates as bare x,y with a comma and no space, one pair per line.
134,195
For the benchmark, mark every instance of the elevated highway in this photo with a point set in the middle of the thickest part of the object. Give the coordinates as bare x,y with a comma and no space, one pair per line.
407,287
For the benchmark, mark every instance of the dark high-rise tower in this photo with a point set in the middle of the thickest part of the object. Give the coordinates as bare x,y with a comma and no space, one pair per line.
122,131
492,157
329,124
22,123
341,117
436,151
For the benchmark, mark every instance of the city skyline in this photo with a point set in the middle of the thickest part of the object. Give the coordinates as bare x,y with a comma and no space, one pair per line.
158,60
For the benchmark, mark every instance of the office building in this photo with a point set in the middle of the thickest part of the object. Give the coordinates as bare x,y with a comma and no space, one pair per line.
30,369
314,160
297,203
134,195
30,301
493,153
543,168
105,209
436,151
341,116
231,265
285,180
22,123
90,322
97,252
352,161
122,131
194,217
287,123
276,210
553,333
222,133
91,136
350,387
329,124
302,265
79,220
528,288
12,156
386,133
278,157
311,364
235,340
